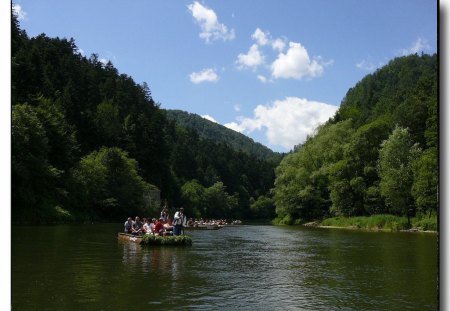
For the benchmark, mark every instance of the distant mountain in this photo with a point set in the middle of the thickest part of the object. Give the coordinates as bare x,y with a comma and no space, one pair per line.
209,130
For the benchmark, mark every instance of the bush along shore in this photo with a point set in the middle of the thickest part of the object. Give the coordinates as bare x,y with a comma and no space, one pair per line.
379,223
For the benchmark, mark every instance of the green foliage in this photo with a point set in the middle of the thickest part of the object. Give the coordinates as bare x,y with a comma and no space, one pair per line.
383,222
109,183
63,146
375,222
211,202
302,178
154,240
406,80
77,105
34,179
61,215
425,222
219,202
213,131
43,151
341,171
285,220
108,122
395,169
67,107
352,177
193,194
432,126
425,185
263,208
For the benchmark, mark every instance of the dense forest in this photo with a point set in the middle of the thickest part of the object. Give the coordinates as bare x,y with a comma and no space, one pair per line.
217,132
377,155
90,144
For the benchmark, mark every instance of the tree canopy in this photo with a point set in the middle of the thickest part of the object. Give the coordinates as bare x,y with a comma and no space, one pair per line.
377,155
88,142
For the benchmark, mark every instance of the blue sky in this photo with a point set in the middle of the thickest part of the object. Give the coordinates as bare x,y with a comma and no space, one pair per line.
273,70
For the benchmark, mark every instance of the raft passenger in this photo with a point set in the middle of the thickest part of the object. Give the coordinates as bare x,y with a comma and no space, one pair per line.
128,225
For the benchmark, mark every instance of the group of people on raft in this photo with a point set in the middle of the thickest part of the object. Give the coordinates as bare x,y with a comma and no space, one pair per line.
162,226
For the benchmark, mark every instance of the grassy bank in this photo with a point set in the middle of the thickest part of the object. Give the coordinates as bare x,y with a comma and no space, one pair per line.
383,222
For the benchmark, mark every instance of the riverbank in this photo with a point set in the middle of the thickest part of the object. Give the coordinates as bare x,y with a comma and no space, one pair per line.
388,223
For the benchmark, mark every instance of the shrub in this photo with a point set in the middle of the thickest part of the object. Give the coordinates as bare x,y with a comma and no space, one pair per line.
375,222
425,222
286,220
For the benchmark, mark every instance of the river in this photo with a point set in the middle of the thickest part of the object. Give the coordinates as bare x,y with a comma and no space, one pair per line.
85,267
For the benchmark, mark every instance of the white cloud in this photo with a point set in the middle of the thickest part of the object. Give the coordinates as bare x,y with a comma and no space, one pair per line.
260,37
21,14
366,65
206,75
208,117
287,122
244,125
263,79
237,108
264,38
296,64
278,44
252,59
210,27
81,52
420,45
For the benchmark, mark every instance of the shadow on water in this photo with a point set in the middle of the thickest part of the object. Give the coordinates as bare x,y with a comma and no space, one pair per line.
85,267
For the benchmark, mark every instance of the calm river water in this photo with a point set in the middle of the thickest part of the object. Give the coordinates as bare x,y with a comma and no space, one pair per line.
84,267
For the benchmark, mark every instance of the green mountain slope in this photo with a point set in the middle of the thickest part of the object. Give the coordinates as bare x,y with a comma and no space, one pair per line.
89,143
378,155
219,133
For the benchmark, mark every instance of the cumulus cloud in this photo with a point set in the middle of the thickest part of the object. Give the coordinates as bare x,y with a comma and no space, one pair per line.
296,64
210,27
244,125
20,13
208,117
260,37
264,38
287,122
206,75
420,45
252,59
278,44
237,108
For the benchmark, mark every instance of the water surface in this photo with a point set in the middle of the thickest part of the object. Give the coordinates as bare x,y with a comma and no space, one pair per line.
85,267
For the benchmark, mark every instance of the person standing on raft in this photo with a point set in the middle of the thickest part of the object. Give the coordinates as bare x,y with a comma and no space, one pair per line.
179,221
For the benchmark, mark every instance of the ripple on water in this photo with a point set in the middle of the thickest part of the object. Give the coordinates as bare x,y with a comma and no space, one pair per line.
235,268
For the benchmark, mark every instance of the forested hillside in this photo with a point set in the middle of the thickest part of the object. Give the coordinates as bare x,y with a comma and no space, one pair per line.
378,155
209,130
89,143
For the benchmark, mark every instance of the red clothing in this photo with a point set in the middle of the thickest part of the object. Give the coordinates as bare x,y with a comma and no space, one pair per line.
158,227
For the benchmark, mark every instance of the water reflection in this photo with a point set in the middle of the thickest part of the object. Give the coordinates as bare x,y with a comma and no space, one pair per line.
161,260
242,267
